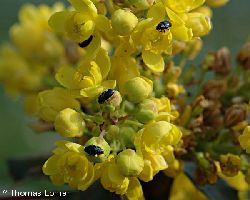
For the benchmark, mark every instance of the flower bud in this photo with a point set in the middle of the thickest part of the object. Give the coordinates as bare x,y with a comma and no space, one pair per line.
139,4
214,89
127,136
147,111
205,10
235,114
97,149
137,89
216,3
112,132
130,163
221,63
193,47
69,123
123,22
243,57
230,164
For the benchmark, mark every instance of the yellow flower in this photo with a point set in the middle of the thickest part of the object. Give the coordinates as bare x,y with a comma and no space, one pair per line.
82,25
79,24
23,77
88,79
244,139
155,42
69,165
156,136
187,191
69,123
216,3
51,102
113,180
42,45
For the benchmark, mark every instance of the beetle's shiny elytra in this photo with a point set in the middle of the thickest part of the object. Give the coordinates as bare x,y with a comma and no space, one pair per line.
105,96
93,150
163,26
86,42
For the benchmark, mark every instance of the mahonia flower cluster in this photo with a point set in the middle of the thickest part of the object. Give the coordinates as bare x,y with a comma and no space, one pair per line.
126,131
102,73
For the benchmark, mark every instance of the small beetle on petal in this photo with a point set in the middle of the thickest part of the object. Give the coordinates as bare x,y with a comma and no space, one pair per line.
93,150
163,26
105,96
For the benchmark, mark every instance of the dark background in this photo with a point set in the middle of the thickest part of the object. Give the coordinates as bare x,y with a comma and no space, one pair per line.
231,27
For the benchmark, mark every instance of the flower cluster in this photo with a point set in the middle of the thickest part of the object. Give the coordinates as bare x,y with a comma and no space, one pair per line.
103,73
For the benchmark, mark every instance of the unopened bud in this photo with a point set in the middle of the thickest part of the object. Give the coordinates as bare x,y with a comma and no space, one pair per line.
137,89
235,114
243,57
130,163
123,22
69,123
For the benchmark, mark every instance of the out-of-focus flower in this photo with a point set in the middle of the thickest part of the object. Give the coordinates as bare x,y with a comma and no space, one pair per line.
222,61
51,102
244,56
244,139
188,190
216,3
192,48
214,89
235,114
230,164
69,165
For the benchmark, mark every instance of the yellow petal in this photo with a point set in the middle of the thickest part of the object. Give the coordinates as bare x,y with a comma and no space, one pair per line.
134,191
56,21
91,91
183,188
109,84
157,12
103,61
102,23
183,6
92,49
84,6
95,73
50,166
65,76
153,61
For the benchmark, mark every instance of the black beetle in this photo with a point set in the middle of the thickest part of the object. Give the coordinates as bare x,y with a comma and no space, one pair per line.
163,26
86,42
93,150
104,96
